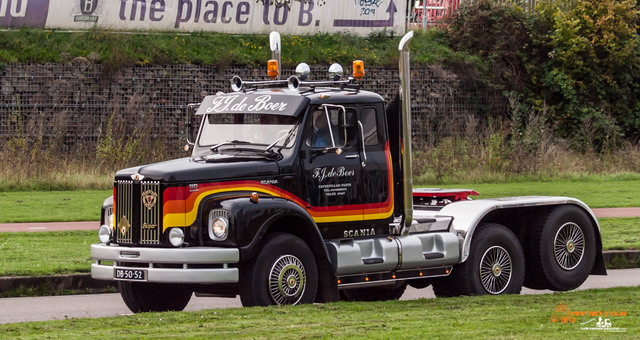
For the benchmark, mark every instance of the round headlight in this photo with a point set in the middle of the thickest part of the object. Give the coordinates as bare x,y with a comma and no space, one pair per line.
104,233
176,237
218,228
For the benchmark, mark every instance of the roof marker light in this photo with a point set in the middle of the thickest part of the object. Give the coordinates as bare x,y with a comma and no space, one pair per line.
358,69
272,69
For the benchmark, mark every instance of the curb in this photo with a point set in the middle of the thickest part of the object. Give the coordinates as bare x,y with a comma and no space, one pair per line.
84,282
55,283
612,256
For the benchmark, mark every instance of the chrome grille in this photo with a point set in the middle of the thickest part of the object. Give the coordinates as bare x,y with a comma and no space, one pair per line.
150,204
138,209
219,213
124,211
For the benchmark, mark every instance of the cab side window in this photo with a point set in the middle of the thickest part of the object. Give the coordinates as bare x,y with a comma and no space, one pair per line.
324,128
370,126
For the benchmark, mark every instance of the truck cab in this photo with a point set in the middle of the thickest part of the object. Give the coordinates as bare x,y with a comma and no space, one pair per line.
299,191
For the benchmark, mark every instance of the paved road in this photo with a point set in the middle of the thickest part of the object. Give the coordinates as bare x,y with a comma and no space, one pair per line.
93,225
103,305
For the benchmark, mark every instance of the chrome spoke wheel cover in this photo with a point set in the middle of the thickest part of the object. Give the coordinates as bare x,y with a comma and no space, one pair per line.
568,246
287,280
495,270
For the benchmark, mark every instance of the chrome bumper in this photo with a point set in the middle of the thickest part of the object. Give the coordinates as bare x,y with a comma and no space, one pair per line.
152,256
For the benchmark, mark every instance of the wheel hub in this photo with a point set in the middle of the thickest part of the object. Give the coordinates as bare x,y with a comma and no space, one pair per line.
291,281
569,245
495,270
287,280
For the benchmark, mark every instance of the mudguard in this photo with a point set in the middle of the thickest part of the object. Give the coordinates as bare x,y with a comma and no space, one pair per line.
255,220
467,215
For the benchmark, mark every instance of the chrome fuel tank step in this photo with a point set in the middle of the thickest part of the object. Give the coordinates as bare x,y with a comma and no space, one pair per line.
393,253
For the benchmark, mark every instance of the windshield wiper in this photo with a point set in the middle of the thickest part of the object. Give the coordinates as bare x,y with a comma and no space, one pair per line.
235,141
286,141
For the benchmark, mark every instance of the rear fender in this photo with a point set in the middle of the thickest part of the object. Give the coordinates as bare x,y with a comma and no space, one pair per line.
467,215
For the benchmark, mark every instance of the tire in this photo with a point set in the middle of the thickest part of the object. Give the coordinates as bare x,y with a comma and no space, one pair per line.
374,293
495,265
441,287
420,283
143,297
562,250
283,272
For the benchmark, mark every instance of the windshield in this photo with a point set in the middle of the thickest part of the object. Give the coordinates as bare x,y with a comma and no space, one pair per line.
247,128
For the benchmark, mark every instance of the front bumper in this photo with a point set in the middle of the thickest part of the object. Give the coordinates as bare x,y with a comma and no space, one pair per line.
155,260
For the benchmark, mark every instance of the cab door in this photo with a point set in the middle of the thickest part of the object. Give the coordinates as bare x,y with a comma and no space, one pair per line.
377,173
332,166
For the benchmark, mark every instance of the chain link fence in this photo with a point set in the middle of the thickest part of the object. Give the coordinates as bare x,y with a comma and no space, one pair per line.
71,106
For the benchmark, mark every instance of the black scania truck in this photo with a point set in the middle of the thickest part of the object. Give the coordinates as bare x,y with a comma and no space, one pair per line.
300,191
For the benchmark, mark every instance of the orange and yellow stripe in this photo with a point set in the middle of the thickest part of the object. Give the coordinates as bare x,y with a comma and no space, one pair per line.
180,205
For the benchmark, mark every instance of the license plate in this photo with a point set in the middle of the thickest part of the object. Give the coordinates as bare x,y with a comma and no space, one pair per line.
130,274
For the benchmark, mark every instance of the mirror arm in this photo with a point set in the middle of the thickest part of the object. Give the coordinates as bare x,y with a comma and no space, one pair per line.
191,108
326,113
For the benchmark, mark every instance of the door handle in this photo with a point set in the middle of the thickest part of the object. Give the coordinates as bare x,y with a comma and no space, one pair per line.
351,156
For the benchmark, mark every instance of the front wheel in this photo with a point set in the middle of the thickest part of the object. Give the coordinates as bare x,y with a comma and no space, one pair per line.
283,273
495,265
143,297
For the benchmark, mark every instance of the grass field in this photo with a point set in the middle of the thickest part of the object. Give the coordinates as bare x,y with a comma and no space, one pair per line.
68,252
50,253
45,253
84,205
51,206
620,233
597,192
495,317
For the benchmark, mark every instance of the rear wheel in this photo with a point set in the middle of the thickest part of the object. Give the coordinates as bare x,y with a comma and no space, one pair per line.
375,293
495,265
283,273
562,250
143,297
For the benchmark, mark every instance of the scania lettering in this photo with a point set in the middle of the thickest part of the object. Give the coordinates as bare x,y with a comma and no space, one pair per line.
301,191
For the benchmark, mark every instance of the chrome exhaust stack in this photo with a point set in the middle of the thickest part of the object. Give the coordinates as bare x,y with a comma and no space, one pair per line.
405,90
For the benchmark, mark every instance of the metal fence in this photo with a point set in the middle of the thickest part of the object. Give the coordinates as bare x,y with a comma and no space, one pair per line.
424,14
70,106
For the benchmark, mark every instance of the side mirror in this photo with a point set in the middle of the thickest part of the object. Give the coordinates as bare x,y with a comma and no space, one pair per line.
189,125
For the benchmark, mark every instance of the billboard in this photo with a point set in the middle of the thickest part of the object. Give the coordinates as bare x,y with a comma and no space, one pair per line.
228,16
23,13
